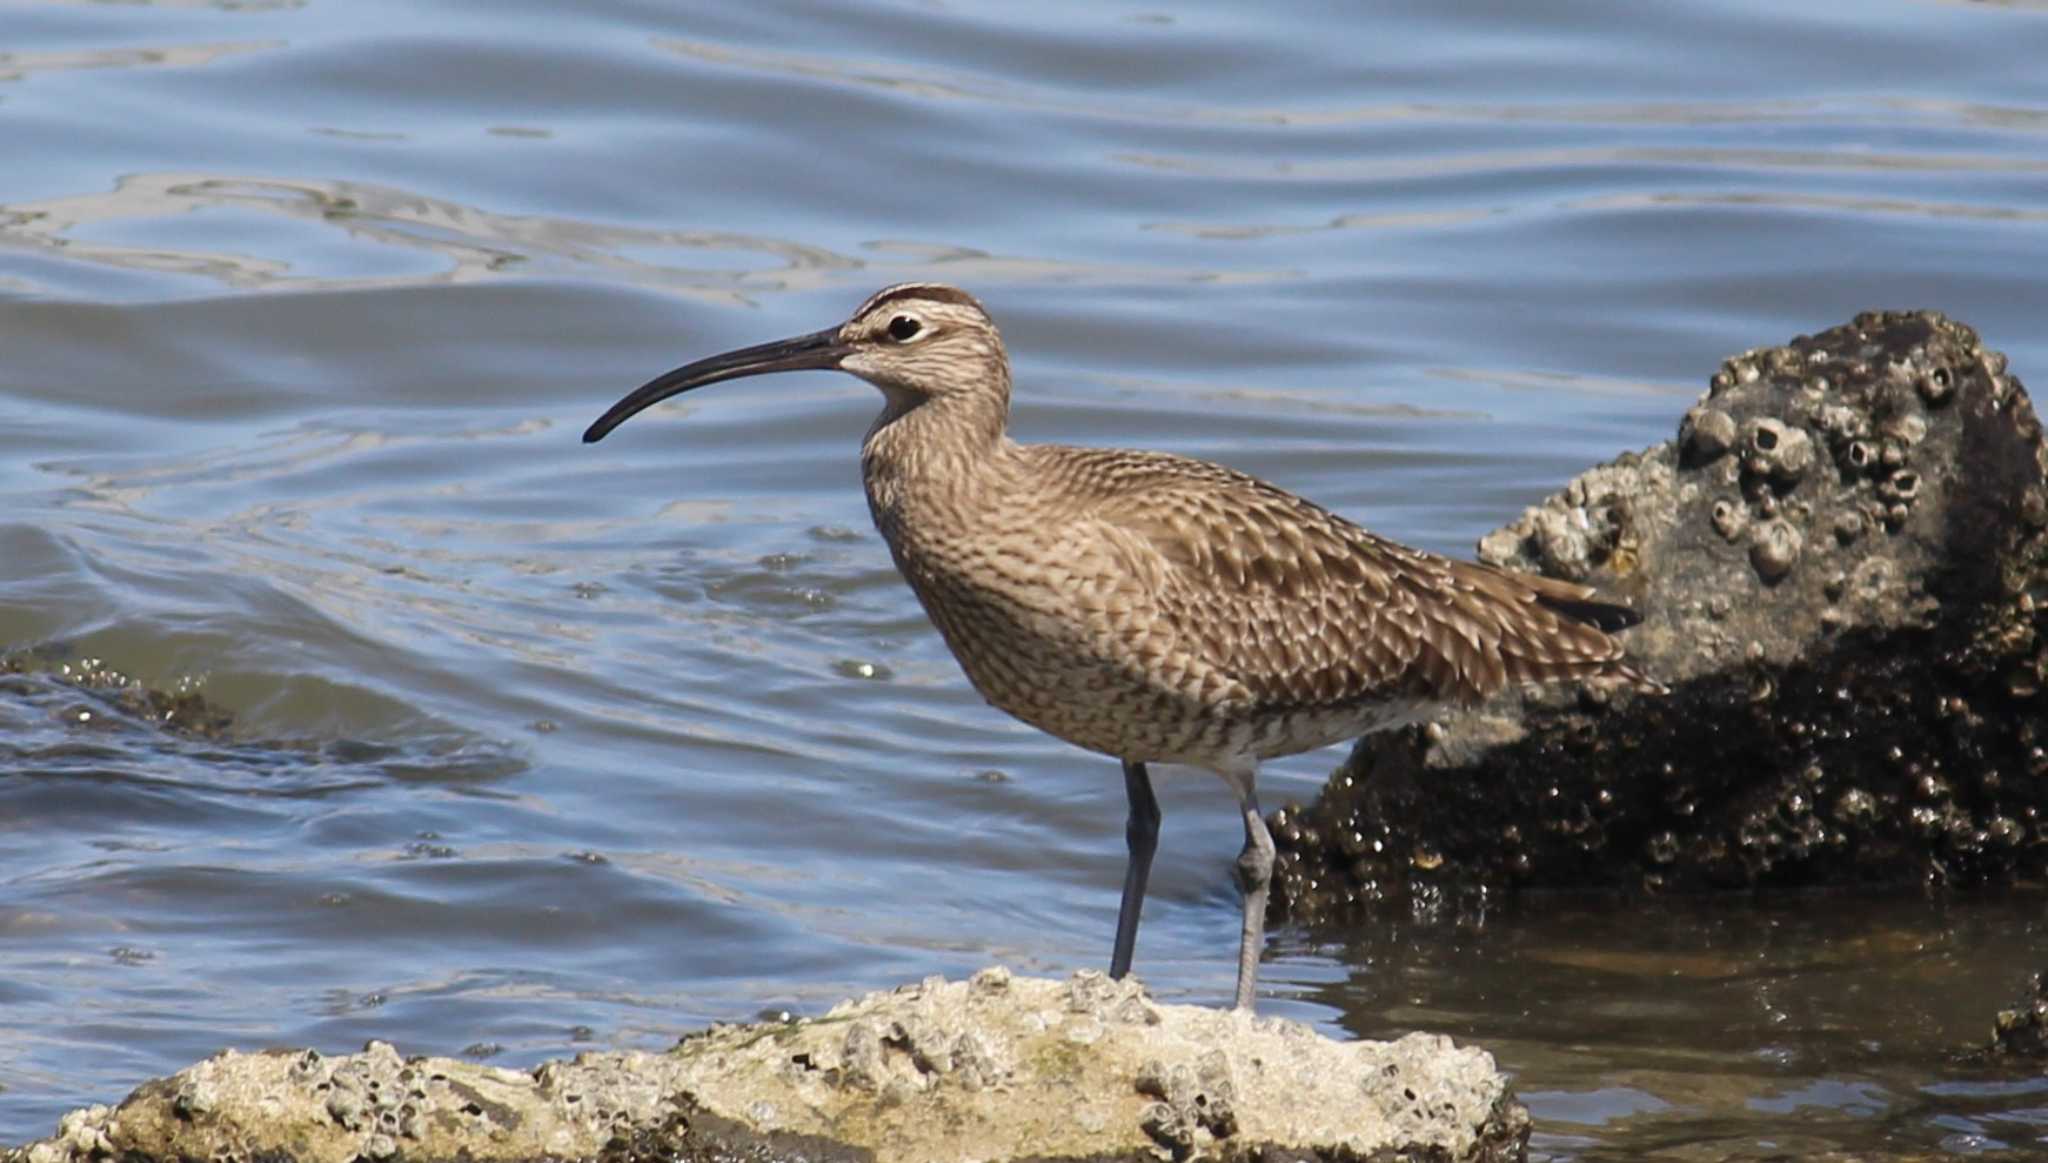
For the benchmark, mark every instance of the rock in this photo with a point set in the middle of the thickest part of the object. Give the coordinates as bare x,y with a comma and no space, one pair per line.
2021,1033
45,675
1842,574
997,1067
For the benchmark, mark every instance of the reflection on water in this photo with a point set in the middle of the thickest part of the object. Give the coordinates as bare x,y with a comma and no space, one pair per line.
1787,1027
223,6
1744,161
1839,205
467,244
16,66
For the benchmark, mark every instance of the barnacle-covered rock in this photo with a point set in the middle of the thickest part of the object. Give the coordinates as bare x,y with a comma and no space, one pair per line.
1843,576
1706,434
996,1067
1774,549
1777,451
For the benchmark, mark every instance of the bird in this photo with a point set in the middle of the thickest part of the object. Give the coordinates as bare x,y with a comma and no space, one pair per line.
1155,608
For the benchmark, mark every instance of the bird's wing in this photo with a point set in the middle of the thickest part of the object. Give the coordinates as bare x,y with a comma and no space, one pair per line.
1300,608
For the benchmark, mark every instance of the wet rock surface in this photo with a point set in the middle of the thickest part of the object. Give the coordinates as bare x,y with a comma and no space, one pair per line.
2020,1032
85,692
1841,568
992,1068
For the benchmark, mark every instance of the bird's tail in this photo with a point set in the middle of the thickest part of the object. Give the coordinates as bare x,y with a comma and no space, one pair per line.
1578,603
1608,616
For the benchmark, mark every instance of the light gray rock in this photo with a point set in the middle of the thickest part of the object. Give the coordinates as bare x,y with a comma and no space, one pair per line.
994,1068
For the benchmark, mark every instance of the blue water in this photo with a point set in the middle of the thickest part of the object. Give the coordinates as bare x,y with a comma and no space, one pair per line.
539,746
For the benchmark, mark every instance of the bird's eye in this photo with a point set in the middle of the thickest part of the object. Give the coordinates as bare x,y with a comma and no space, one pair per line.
903,328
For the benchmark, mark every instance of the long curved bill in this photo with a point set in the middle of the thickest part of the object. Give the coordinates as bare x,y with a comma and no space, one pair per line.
819,349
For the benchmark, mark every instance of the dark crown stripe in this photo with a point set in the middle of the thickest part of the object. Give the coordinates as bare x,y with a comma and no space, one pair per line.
923,292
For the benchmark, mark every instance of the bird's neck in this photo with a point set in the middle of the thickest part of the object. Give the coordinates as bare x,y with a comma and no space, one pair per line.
933,450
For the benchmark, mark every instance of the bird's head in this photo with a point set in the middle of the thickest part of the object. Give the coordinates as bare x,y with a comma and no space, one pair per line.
914,341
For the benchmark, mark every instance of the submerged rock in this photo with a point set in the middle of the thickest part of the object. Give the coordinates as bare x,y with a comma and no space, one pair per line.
1842,573
998,1067
2021,1031
44,675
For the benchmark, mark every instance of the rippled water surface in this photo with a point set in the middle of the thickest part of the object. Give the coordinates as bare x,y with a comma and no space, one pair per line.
536,745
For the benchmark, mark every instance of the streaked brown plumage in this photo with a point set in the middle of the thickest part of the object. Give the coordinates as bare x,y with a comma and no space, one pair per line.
1152,607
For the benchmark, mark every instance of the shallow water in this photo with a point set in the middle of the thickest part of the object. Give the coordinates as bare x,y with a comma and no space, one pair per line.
540,746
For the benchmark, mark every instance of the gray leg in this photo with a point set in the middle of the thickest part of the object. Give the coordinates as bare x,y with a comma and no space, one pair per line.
1141,834
1255,876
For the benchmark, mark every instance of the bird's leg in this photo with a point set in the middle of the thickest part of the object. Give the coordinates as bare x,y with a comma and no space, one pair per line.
1255,877
1141,834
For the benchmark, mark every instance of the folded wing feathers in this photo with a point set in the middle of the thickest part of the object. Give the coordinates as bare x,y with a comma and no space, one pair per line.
1303,608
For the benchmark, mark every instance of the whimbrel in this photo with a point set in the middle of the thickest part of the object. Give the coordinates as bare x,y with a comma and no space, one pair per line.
1151,607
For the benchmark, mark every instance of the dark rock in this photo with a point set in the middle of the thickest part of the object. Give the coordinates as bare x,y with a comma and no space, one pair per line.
1842,572
113,698
2022,1031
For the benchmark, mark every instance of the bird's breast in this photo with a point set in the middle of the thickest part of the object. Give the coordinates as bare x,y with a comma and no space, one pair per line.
1056,625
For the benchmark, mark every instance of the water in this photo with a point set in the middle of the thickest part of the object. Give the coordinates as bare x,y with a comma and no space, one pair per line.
539,746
